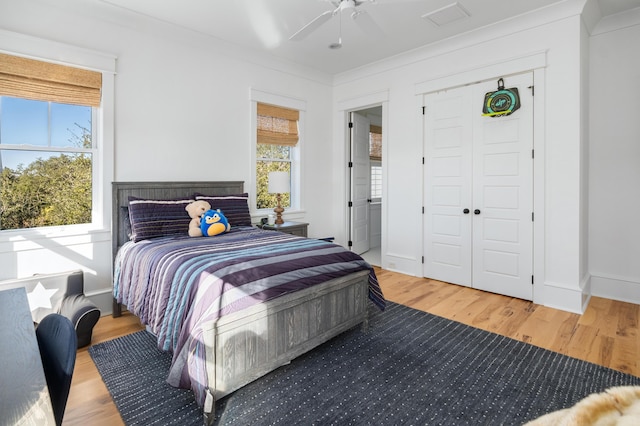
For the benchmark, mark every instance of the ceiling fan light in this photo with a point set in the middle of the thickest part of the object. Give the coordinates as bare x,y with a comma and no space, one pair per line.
347,4
336,45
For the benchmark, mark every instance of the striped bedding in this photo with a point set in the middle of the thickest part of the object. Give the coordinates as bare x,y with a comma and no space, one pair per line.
175,284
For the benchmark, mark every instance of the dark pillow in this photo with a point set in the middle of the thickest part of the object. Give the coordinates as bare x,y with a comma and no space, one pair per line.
234,206
125,221
158,218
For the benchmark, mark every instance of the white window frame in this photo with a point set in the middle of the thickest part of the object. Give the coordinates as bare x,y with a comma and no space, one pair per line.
296,196
102,129
377,164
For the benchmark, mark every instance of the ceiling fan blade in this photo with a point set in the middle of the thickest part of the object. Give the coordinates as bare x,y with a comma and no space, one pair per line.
312,26
367,24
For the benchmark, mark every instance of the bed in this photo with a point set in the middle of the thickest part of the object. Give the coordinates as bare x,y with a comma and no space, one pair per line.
268,298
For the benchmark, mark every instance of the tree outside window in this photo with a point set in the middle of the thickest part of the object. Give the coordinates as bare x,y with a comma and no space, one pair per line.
46,159
271,158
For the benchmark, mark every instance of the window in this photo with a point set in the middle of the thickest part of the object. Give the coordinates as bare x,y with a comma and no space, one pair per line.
376,181
375,157
276,145
47,144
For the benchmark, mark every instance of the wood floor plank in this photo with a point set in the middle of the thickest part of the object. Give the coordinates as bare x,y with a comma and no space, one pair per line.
90,402
627,325
624,355
606,334
561,330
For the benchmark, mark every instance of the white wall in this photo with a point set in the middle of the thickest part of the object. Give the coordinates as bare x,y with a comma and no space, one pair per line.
556,32
614,181
182,112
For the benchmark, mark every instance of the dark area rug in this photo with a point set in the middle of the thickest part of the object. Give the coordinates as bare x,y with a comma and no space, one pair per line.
411,368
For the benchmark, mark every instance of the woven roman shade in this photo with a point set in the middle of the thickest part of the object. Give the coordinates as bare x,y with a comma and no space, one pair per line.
375,142
44,81
277,125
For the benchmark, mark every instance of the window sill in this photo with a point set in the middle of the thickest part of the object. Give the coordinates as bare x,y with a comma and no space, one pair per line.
93,232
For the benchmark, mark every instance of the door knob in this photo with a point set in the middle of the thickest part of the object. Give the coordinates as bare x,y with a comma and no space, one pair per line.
465,211
476,211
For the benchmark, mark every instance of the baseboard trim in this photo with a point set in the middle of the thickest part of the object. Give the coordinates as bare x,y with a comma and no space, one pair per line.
616,288
567,298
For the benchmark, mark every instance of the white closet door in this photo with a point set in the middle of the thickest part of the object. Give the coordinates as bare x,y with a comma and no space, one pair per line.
448,162
503,194
479,190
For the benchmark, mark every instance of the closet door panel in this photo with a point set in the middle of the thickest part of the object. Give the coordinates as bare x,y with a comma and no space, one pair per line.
447,186
503,195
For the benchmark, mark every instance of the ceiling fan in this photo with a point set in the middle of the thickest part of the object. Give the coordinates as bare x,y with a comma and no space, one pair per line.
361,17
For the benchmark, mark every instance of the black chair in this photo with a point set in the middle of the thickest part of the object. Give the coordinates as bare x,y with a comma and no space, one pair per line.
82,312
57,341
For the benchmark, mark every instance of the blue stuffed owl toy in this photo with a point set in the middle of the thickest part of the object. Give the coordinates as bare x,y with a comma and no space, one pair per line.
214,222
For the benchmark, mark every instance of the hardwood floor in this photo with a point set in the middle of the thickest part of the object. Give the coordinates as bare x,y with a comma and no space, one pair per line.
89,400
606,334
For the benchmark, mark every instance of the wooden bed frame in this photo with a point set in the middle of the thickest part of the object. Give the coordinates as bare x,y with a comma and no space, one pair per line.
246,345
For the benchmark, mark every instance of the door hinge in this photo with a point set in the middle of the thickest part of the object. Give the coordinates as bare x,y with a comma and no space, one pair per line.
424,109
422,209
350,203
533,90
533,155
351,124
350,164
422,259
531,279
532,218
350,243
423,161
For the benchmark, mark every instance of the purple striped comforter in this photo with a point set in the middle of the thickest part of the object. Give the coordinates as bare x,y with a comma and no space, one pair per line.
176,284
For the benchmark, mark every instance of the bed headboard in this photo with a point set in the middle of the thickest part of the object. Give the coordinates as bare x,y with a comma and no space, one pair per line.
158,190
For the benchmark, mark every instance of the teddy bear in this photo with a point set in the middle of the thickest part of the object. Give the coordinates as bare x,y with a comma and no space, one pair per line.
196,209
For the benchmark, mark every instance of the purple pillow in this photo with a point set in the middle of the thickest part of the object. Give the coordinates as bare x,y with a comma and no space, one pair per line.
234,206
158,218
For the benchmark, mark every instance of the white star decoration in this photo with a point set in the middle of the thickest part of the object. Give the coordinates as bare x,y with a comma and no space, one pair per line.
40,297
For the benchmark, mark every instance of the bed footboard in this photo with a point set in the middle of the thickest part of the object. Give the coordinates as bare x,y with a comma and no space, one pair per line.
245,346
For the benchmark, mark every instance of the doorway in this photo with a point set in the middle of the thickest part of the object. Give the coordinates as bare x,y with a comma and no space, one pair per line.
366,198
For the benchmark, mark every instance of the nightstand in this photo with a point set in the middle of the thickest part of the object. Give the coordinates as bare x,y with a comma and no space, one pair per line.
293,228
